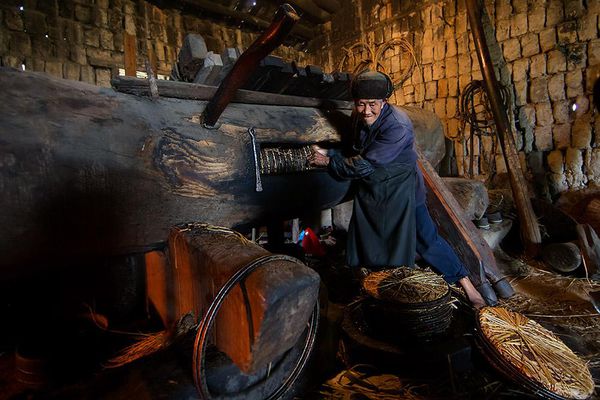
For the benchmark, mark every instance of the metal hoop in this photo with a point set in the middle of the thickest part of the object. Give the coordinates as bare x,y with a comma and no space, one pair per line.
209,317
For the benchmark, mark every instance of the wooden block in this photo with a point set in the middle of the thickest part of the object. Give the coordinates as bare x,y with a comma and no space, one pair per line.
260,319
279,80
340,88
299,85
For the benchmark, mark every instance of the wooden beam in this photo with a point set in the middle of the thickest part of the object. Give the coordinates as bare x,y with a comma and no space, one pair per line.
529,227
98,172
92,172
183,90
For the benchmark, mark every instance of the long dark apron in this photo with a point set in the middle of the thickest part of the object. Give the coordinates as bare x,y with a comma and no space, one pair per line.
382,228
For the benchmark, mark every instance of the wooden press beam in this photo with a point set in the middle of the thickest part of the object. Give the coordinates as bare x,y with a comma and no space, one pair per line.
93,172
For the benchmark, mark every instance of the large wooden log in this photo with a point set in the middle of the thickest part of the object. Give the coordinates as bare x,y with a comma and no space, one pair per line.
86,171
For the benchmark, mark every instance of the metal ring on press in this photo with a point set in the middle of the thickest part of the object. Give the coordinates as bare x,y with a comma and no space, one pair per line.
209,318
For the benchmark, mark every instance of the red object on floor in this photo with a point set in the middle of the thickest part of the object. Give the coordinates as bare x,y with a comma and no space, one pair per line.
311,244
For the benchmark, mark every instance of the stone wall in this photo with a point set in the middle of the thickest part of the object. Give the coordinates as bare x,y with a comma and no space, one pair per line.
84,39
546,52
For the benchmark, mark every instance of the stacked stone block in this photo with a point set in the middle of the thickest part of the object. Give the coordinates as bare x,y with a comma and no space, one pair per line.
547,53
84,39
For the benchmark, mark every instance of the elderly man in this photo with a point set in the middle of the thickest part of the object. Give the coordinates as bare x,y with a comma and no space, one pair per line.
390,222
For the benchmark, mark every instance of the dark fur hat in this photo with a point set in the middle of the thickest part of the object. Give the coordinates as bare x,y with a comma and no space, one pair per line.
371,85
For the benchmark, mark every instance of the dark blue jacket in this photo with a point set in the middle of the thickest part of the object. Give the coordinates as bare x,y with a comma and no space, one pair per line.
389,186
390,139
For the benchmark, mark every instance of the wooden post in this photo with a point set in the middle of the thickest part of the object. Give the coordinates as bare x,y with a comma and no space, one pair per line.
530,230
130,56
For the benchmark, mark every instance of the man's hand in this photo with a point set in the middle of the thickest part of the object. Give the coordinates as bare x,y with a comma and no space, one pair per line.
318,157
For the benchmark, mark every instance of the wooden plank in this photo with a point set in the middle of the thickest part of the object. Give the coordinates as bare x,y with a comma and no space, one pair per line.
182,90
461,234
130,53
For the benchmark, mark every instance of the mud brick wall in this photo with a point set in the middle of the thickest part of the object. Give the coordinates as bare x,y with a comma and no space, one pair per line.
84,39
546,52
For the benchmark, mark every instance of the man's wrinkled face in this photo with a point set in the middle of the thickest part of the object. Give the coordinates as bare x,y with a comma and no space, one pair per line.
369,109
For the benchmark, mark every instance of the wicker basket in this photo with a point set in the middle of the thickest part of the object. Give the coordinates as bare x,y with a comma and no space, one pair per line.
531,355
409,301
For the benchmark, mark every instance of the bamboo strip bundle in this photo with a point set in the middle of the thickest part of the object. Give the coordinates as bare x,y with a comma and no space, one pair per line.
532,355
406,285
